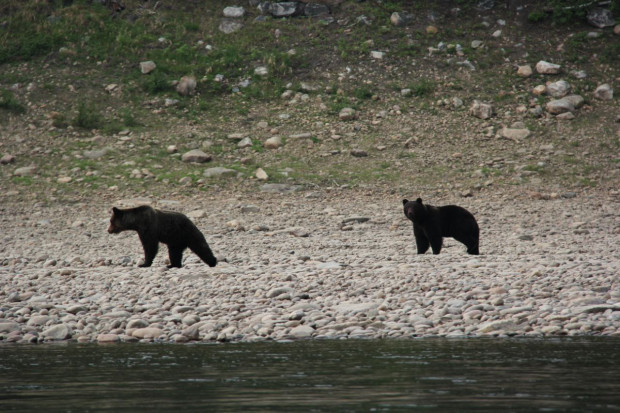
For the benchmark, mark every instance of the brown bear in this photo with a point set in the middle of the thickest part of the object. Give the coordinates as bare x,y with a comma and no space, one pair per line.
171,228
431,224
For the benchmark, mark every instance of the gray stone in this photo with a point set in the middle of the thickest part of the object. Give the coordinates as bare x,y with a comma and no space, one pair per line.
302,332
148,332
197,156
280,188
7,159
555,107
604,92
356,308
547,68
236,136
495,326
219,171
316,10
248,209
273,143
76,308
481,110
524,71
377,55
96,153
7,327
245,143
400,19
137,323
347,114
286,9
25,171
186,85
147,67
261,71
275,292
234,11
108,338
576,100
57,332
558,89
515,134
264,7
228,26
358,153
599,17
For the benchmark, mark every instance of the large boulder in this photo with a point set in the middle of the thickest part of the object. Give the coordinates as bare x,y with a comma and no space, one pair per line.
599,17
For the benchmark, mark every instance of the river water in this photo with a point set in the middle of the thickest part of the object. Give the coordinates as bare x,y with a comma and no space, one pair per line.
509,375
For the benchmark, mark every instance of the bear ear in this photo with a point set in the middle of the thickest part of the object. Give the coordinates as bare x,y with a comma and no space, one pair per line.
116,211
405,201
419,200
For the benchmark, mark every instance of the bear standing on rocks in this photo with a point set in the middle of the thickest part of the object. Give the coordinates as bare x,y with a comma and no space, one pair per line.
431,224
154,226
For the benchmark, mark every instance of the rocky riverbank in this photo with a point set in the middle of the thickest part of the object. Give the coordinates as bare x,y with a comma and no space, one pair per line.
312,265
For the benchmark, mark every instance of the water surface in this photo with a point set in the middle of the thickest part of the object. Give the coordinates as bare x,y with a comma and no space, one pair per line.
571,374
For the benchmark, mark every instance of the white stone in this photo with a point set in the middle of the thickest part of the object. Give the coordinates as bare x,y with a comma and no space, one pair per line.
273,143
245,143
196,155
547,68
147,67
524,71
234,11
558,89
604,92
261,175
377,55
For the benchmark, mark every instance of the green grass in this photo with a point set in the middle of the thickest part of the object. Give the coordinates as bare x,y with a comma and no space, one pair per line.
88,117
422,87
9,103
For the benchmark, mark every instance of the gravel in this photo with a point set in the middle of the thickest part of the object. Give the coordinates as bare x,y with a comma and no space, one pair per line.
292,270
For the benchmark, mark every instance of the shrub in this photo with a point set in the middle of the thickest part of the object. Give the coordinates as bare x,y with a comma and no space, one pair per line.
10,103
88,117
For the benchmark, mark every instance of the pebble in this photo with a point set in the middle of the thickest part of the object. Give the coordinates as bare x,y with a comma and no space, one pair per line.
317,281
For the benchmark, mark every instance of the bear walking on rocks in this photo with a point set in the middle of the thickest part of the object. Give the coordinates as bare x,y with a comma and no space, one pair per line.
431,224
154,226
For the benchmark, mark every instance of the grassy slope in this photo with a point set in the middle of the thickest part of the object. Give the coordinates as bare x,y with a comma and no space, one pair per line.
70,54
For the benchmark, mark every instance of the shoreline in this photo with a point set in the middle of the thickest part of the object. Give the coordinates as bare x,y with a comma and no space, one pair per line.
306,267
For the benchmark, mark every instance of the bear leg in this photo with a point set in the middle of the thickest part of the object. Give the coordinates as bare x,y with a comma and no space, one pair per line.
421,240
436,244
201,248
150,250
176,256
469,236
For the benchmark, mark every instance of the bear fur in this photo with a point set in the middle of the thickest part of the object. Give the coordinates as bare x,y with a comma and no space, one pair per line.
431,224
171,228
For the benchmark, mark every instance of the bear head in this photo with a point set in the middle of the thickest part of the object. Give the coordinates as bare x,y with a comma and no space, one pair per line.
415,210
116,221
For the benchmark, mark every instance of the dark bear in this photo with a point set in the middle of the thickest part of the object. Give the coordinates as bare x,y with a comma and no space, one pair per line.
431,224
154,226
